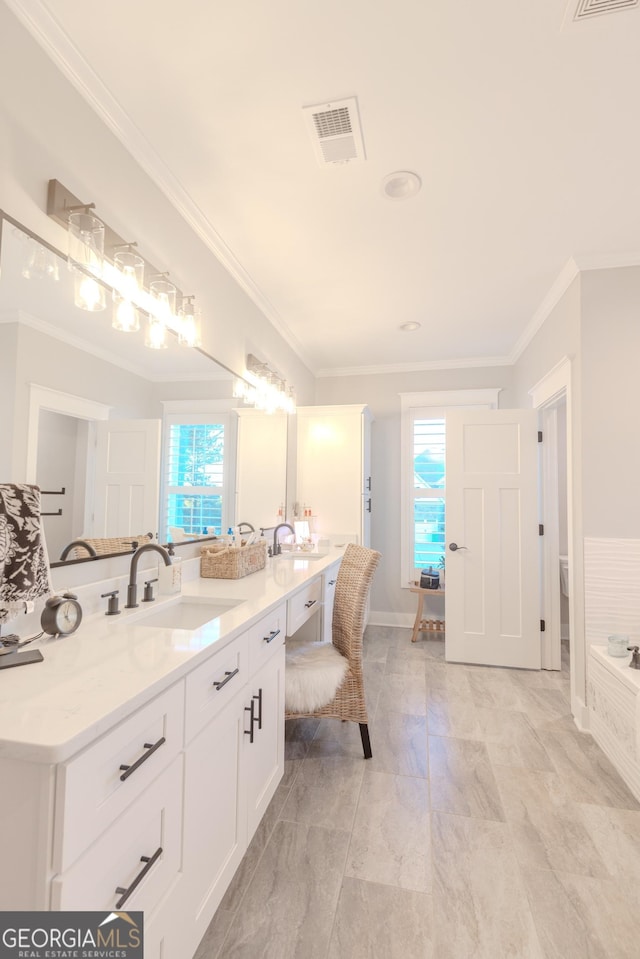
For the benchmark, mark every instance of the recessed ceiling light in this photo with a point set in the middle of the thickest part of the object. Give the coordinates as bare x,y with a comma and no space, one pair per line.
409,327
401,185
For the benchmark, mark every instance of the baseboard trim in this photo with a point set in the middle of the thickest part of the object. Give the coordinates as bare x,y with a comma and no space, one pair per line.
382,618
405,620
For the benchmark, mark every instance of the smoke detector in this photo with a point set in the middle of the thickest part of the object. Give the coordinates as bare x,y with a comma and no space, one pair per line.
593,8
335,131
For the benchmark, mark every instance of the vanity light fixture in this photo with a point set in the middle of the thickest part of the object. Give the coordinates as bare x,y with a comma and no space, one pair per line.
162,310
155,337
86,257
101,260
128,284
189,323
41,263
271,393
88,294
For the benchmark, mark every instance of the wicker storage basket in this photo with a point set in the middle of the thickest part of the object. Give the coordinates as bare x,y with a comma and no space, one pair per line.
232,562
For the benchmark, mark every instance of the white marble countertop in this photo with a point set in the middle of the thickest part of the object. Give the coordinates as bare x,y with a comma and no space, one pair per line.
618,665
112,665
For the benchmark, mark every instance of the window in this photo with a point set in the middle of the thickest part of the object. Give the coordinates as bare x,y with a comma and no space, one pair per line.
428,490
423,500
196,464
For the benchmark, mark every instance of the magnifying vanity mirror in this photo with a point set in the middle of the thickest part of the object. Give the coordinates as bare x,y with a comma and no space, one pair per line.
83,407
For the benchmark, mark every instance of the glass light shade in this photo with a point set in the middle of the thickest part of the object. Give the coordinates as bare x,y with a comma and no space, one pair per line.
88,294
41,264
163,296
128,282
130,276
86,242
126,318
189,325
155,337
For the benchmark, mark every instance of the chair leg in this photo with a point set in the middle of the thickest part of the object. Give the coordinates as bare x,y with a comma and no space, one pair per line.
366,742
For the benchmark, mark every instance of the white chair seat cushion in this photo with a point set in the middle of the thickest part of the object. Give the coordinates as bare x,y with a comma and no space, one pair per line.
314,671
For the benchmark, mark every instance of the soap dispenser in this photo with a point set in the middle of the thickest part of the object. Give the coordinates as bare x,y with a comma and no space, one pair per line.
170,577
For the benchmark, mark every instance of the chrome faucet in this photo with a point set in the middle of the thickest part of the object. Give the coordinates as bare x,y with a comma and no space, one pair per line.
132,588
277,548
244,526
635,657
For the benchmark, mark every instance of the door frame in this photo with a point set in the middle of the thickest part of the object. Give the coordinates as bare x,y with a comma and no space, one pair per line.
43,398
554,387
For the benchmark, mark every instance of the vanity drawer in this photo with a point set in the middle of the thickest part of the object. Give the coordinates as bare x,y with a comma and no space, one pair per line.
266,636
210,687
151,830
93,789
303,605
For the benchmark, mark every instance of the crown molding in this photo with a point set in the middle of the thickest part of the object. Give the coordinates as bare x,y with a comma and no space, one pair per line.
423,366
558,288
55,42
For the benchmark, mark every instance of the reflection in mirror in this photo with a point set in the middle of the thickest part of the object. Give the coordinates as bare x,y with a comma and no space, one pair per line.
85,403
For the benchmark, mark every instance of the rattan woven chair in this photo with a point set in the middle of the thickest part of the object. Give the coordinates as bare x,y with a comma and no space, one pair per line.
352,588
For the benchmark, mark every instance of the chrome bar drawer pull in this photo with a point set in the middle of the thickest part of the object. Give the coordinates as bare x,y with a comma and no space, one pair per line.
252,718
148,863
272,635
311,602
259,717
228,676
151,748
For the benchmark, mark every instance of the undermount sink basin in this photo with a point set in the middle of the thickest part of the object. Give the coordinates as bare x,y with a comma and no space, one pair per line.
300,554
188,613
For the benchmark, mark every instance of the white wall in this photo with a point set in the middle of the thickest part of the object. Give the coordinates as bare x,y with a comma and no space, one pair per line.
611,402
58,442
559,336
47,130
48,362
381,393
8,347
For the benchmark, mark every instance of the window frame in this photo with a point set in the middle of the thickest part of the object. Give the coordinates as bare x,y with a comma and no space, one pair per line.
425,406
184,413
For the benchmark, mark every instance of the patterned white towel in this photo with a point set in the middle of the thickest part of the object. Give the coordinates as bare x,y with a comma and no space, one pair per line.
24,564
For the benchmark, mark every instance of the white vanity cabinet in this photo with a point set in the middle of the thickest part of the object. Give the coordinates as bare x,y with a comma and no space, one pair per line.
233,764
155,808
334,469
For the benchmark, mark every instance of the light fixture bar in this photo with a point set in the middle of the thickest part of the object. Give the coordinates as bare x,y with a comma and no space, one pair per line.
61,203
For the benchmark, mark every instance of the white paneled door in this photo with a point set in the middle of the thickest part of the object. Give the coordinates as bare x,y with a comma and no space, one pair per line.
492,556
127,477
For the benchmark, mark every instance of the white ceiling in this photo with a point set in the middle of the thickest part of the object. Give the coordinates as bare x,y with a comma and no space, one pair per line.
522,124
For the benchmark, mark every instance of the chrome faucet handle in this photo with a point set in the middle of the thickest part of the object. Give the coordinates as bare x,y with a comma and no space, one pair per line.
635,657
112,607
148,590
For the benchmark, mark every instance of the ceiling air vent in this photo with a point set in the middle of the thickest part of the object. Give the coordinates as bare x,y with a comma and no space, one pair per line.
593,8
335,131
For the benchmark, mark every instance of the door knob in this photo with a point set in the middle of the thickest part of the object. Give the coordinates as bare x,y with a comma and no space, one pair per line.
454,546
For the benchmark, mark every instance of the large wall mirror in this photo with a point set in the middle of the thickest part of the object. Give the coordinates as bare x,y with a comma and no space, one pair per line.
84,406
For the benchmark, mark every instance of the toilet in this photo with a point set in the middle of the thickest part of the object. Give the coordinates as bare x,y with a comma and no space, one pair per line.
564,574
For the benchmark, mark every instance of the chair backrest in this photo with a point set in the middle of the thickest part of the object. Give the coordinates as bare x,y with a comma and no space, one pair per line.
352,588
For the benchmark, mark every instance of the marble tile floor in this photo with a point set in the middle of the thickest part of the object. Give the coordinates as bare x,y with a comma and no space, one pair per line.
486,826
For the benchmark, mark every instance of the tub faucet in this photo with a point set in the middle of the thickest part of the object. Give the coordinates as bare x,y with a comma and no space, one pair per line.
635,657
77,542
132,588
277,548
